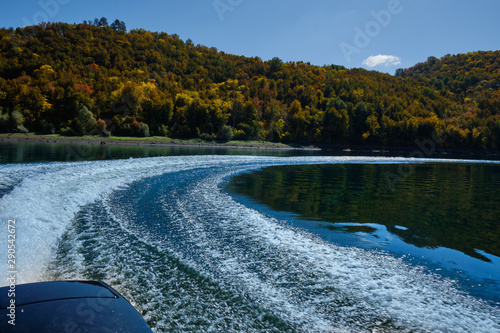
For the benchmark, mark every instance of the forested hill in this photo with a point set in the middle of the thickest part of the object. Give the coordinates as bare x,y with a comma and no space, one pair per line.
472,76
100,79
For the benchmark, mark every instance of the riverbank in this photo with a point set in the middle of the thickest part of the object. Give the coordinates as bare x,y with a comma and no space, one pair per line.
149,141
427,151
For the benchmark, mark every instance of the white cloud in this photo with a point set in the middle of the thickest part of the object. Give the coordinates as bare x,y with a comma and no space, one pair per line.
386,60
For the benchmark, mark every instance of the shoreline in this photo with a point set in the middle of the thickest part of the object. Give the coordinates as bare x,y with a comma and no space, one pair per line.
149,141
334,149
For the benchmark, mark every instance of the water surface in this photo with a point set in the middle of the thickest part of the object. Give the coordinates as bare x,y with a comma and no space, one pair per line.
11,152
192,257
445,213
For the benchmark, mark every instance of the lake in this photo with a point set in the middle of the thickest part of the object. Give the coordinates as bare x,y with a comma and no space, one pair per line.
226,242
444,214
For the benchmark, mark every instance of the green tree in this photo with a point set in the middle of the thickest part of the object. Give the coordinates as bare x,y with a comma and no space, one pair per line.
359,125
336,124
225,133
275,65
143,130
85,121
336,103
119,26
17,121
158,114
197,117
236,112
102,22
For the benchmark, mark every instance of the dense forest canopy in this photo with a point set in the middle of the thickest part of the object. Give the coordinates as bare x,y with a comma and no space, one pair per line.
97,78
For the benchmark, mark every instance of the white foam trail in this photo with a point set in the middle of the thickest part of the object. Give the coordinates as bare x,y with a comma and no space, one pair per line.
377,284
50,194
47,197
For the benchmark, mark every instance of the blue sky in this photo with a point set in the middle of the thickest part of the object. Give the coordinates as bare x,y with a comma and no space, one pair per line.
380,35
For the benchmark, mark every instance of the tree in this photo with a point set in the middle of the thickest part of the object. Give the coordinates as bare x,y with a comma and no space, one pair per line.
337,103
45,72
219,112
50,71
249,112
102,22
119,26
143,130
399,72
157,112
236,112
16,122
373,126
101,126
275,64
225,133
300,120
432,60
12,122
336,123
360,111
359,125
85,121
197,117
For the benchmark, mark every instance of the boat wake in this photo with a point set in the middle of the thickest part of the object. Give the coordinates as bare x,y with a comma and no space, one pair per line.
191,258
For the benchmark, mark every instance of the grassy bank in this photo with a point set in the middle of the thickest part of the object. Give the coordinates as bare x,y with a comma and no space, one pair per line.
154,140
429,152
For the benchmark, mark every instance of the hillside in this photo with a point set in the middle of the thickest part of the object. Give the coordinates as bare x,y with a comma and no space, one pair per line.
93,78
473,78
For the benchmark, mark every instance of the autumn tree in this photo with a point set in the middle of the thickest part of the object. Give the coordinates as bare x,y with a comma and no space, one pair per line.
130,80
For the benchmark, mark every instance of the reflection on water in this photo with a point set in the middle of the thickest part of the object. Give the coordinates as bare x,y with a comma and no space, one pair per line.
439,205
44,152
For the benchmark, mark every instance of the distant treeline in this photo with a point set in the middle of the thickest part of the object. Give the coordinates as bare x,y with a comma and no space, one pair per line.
97,78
